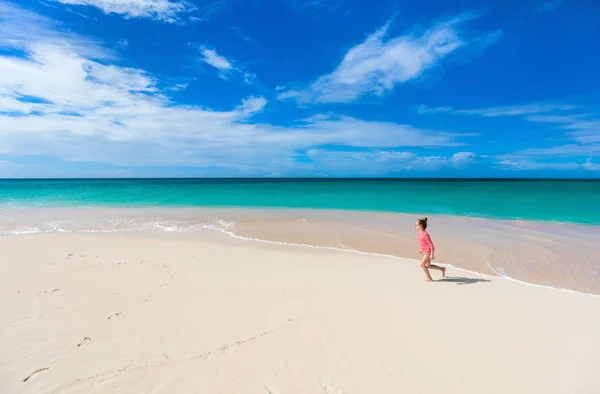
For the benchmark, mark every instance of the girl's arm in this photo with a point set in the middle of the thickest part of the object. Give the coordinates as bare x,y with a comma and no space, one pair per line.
428,238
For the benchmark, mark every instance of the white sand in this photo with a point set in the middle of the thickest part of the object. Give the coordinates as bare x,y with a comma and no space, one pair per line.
210,314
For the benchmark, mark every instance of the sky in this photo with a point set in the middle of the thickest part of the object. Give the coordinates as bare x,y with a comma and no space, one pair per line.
299,88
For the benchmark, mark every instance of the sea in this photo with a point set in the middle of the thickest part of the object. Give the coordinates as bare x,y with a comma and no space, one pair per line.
567,201
543,232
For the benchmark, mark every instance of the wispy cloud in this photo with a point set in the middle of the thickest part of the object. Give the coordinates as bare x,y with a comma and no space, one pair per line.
517,110
568,150
178,87
582,127
529,165
384,160
548,6
379,63
20,28
212,58
225,66
534,165
163,10
512,110
591,166
425,110
579,156
242,34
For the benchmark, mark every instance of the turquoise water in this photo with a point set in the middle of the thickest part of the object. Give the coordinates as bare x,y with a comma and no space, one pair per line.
576,201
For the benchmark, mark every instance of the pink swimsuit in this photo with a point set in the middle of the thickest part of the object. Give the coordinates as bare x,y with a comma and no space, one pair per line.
425,241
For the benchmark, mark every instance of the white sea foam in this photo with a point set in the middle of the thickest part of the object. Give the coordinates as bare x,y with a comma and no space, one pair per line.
117,226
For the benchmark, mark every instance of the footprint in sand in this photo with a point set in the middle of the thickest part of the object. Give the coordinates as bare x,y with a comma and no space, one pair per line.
270,390
84,341
34,372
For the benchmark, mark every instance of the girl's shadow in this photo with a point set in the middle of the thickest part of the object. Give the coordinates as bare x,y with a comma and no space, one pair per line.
462,281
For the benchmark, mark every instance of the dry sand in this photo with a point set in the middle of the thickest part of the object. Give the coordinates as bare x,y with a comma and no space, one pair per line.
204,313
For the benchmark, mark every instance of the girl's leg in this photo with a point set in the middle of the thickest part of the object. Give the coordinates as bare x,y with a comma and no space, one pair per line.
425,262
435,267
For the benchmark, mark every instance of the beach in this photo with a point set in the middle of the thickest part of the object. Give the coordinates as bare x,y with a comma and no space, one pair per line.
299,197
190,312
192,286
557,255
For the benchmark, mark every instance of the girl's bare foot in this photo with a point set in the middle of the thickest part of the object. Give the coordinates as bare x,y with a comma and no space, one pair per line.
443,272
428,280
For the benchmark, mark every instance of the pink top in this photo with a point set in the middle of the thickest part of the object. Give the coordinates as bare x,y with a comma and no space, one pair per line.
425,241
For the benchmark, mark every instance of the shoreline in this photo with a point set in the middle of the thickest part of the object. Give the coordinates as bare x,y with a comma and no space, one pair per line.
188,312
333,249
282,246
538,253
415,261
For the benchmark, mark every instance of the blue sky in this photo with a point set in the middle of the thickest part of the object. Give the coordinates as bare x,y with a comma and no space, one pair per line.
136,88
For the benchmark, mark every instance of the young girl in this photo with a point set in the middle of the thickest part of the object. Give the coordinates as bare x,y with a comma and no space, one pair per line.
427,250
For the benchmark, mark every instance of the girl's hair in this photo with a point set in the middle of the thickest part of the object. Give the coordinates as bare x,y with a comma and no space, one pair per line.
423,222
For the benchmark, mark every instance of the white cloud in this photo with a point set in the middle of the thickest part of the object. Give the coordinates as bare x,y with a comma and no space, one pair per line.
225,66
590,166
178,87
511,110
457,160
163,10
20,28
381,161
212,58
425,110
516,110
58,101
463,158
528,165
114,109
379,63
